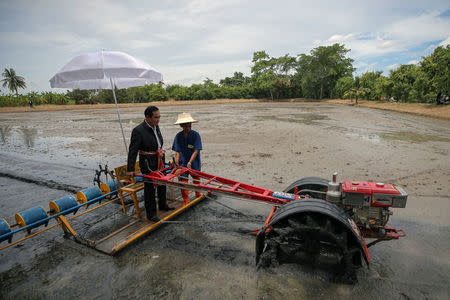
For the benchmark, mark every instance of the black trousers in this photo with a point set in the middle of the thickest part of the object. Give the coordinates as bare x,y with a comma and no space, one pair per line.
149,197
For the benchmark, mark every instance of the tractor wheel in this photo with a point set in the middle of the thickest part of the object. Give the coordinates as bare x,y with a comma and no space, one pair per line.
307,186
314,239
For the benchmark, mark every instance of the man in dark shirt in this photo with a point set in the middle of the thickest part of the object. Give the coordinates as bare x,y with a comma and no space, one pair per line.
147,140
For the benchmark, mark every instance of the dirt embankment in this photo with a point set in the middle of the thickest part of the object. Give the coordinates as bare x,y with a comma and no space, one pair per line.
423,109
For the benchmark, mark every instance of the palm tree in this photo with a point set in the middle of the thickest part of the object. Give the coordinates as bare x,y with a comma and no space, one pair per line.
356,93
13,81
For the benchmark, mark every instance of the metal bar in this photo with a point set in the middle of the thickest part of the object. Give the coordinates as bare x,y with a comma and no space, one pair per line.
29,236
249,191
66,226
116,232
235,187
270,216
118,114
67,211
89,210
145,229
209,181
239,194
118,186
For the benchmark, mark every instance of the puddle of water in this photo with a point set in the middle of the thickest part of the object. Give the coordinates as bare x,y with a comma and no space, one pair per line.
81,120
29,135
127,121
5,131
13,139
412,137
372,137
308,119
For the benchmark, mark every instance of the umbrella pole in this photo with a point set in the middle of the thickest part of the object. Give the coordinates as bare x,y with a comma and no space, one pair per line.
118,114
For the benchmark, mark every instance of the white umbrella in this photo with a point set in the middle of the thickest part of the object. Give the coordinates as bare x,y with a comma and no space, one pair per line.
104,70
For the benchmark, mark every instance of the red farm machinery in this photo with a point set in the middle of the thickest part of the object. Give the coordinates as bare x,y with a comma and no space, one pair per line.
314,220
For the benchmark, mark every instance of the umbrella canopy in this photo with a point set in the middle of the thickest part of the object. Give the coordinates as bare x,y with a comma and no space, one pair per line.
93,71
104,70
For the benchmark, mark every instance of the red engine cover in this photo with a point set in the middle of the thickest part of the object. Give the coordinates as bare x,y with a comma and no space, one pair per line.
381,194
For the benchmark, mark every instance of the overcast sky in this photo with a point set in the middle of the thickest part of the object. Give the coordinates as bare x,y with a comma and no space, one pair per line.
188,41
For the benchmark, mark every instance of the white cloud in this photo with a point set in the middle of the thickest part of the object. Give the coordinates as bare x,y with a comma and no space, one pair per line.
369,68
360,64
445,42
204,6
196,73
413,62
386,44
396,36
317,42
237,38
419,29
140,44
337,38
392,67
53,39
210,37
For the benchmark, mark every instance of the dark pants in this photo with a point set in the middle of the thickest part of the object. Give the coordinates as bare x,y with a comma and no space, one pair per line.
149,198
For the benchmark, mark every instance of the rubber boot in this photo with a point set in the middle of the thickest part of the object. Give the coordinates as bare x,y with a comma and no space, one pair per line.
185,194
197,181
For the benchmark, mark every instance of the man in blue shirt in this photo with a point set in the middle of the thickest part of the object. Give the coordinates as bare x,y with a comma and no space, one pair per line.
187,145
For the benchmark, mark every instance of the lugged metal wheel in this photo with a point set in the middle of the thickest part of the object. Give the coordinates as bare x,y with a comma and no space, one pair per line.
314,239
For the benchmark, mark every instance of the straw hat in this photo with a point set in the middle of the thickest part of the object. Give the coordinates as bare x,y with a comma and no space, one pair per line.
185,118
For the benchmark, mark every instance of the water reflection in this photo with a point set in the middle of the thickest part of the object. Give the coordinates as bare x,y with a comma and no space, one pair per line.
304,118
5,132
29,134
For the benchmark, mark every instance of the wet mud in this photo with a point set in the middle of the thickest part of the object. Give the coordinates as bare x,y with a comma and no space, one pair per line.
206,253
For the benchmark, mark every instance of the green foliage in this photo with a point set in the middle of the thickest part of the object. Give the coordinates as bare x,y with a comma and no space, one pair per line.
383,87
136,95
12,80
325,73
368,82
55,98
309,84
178,92
79,96
343,85
436,68
403,80
321,70
38,99
156,92
8,101
271,76
104,96
238,79
421,89
356,93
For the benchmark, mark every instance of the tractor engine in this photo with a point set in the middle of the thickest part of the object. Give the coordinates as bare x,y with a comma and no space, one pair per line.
367,202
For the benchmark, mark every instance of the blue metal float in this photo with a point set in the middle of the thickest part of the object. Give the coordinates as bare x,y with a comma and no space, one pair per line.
31,216
88,194
109,186
4,229
62,204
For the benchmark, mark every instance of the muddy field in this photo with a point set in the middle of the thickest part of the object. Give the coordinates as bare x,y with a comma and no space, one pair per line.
45,155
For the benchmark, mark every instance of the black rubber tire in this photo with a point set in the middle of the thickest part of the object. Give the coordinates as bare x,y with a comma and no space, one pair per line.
309,183
312,239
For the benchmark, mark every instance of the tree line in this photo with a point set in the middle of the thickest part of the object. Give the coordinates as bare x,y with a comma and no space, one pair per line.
325,73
